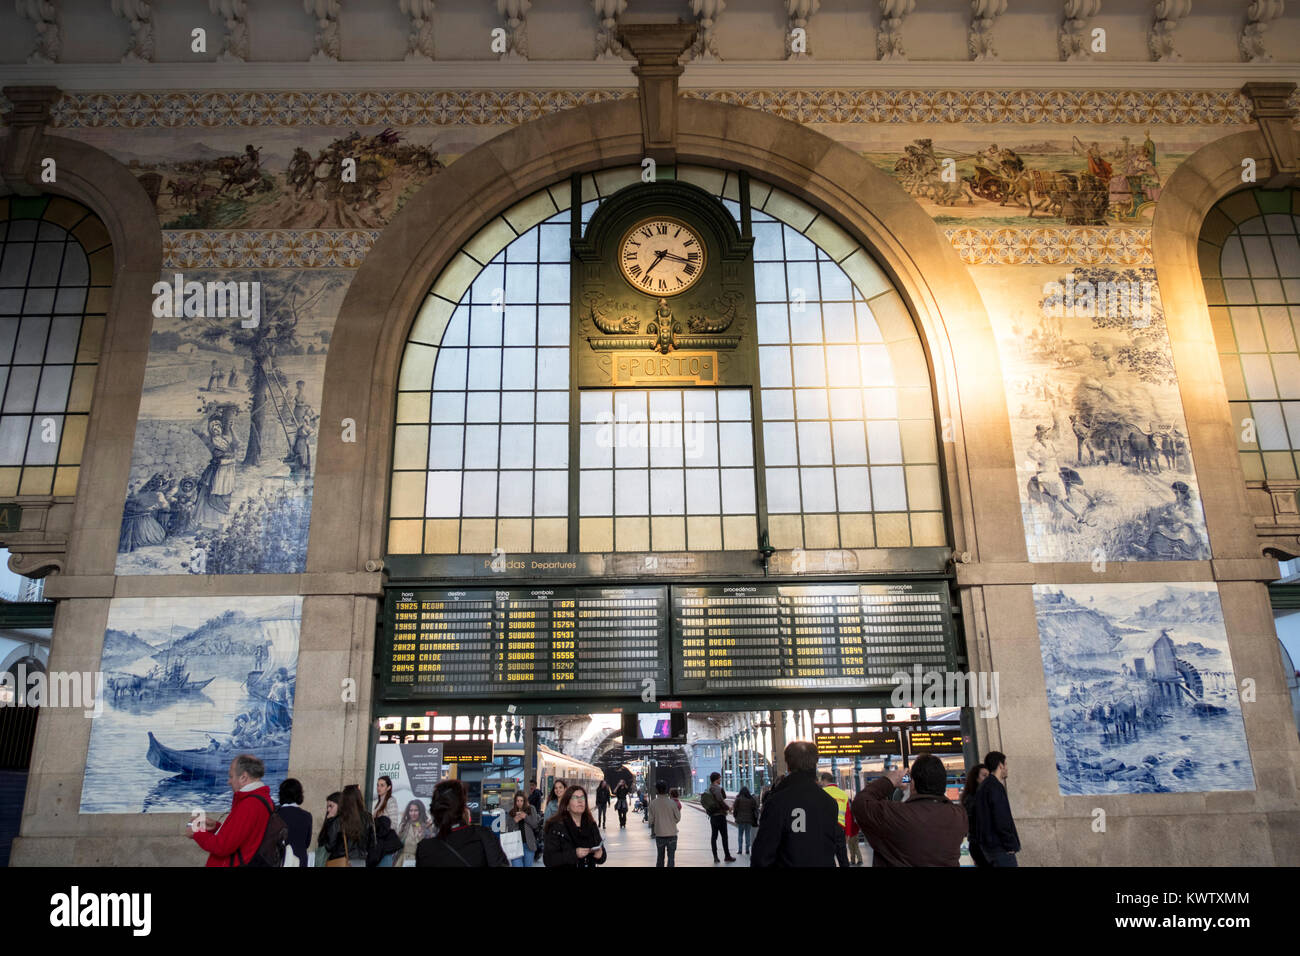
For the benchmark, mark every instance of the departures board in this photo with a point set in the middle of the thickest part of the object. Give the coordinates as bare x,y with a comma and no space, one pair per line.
611,642
555,642
808,637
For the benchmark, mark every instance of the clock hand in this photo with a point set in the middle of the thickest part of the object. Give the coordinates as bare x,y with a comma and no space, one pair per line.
659,257
672,255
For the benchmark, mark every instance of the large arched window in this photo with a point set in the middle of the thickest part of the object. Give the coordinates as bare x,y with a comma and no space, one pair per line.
56,269
1250,265
485,417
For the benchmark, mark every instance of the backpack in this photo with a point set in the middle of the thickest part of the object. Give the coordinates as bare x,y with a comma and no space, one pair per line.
709,802
275,839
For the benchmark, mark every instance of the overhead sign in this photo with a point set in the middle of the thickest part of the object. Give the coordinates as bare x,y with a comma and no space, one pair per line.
590,642
467,751
858,744
945,741
807,637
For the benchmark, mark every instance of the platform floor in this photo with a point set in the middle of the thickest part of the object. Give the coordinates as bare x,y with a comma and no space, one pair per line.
634,846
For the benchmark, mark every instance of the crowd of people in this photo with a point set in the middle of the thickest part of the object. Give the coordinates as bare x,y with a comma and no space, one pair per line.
803,819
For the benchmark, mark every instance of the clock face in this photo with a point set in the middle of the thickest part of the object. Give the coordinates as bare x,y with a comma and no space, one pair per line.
661,256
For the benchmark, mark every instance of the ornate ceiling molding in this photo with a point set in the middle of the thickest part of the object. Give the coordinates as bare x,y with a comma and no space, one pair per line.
658,48
507,107
1273,110
537,76
28,115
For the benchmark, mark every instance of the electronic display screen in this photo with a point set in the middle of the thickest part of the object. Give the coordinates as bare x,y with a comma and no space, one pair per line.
876,743
807,637
588,642
654,728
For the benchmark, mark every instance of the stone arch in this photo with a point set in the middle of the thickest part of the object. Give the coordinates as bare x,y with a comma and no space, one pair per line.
98,181
384,297
1196,186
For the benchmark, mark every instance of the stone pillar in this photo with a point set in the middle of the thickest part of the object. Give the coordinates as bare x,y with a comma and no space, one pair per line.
657,47
778,742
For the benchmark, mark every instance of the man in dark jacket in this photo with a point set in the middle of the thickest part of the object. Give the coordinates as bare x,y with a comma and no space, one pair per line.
800,825
924,830
295,818
716,808
535,795
993,822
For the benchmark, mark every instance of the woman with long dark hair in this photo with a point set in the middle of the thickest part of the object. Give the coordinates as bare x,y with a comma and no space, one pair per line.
572,837
522,816
456,841
322,840
387,820
553,800
350,834
974,777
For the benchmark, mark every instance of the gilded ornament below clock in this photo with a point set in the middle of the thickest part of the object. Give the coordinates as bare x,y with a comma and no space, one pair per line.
600,307
664,328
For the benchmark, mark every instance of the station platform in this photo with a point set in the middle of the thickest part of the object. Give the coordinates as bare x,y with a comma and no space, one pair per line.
634,846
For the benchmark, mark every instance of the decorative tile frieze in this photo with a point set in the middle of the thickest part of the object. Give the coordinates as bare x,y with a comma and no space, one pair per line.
346,248
1079,245
266,248
413,108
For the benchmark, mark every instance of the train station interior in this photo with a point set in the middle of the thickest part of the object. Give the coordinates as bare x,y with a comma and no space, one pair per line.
627,389
683,749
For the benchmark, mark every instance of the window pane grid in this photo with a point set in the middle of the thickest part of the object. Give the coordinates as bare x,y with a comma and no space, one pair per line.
1258,262
44,280
844,472
656,455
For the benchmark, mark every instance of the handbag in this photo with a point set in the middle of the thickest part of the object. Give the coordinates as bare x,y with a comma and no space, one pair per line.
512,844
343,860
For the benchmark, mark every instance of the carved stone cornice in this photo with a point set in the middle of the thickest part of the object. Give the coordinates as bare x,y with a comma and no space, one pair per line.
658,48
44,14
1160,39
1259,16
40,545
607,45
515,13
139,14
1075,37
234,47
1271,110
979,39
419,41
1277,516
27,119
326,14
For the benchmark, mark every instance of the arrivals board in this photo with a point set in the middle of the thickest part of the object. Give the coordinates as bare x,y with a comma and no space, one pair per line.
935,741
586,642
807,637
878,743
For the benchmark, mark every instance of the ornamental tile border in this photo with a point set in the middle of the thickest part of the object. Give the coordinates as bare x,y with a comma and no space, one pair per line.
267,248
1080,245
415,108
347,248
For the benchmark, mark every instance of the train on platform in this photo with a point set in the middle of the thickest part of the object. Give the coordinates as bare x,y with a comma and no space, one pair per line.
553,765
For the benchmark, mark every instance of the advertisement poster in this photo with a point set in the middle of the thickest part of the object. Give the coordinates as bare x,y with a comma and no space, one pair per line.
414,769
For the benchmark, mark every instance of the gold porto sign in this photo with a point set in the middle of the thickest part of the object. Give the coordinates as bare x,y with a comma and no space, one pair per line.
675,368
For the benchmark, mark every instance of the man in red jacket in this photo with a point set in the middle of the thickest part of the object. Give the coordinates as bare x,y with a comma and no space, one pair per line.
924,830
234,841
